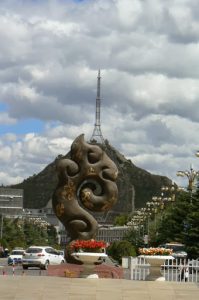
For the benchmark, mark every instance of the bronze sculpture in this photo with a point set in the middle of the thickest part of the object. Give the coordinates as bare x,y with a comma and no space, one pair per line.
87,178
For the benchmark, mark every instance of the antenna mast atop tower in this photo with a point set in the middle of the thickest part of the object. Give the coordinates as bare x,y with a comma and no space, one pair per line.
97,134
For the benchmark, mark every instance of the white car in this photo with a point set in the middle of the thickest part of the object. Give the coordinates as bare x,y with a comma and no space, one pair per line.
15,257
179,254
41,257
178,249
61,252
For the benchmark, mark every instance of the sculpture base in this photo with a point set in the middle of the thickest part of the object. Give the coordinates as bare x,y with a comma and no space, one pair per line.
88,259
155,274
75,271
155,261
88,269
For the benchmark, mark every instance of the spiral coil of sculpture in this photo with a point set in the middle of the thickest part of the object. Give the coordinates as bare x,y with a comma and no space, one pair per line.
88,178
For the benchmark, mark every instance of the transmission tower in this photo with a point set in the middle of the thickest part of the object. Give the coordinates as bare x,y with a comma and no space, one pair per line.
97,134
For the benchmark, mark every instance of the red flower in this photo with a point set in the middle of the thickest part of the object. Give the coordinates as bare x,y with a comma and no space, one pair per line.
87,245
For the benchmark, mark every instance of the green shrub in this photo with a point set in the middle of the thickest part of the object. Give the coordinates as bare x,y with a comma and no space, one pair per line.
119,249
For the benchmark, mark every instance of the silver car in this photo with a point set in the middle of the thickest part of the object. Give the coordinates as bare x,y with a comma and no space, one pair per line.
41,257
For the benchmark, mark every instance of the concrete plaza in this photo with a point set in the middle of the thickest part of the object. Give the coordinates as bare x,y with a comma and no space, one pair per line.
58,288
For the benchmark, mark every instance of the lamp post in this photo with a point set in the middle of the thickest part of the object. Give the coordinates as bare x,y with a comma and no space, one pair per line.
148,214
156,204
137,223
152,210
172,192
1,234
191,175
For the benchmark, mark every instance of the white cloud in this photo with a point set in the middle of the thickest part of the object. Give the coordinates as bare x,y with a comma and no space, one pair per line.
5,153
129,11
50,55
10,137
6,119
6,180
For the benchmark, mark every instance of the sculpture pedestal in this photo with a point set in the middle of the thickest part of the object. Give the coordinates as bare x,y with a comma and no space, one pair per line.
89,259
74,271
155,262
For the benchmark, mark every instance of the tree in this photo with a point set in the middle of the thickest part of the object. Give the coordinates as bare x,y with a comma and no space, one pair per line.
191,227
135,239
52,236
26,232
171,226
120,220
119,249
180,223
13,235
34,233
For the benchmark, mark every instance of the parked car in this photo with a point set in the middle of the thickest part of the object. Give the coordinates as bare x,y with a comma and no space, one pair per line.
15,256
194,265
178,249
41,257
110,261
61,252
6,252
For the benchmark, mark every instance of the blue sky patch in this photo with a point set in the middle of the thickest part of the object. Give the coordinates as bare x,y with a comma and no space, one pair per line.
23,127
3,106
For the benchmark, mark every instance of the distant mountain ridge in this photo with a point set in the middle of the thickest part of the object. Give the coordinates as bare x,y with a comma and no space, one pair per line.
136,186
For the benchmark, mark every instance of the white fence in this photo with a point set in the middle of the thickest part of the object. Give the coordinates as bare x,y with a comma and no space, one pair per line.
172,270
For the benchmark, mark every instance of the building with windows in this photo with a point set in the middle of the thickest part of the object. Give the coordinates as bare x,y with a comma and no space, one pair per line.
112,233
11,201
105,233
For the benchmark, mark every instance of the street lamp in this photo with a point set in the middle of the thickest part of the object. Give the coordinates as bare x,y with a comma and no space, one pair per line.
152,208
147,213
138,221
1,234
171,190
191,175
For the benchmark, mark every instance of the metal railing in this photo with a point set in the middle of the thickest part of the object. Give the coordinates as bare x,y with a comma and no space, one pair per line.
178,270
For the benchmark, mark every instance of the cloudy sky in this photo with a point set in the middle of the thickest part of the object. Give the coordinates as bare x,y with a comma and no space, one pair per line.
50,53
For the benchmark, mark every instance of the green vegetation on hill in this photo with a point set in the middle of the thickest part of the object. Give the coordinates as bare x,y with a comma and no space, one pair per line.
136,186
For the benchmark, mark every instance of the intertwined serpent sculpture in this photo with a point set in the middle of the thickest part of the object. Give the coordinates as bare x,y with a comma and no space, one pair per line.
88,178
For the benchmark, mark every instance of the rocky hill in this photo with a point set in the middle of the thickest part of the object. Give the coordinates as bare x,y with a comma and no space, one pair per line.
136,186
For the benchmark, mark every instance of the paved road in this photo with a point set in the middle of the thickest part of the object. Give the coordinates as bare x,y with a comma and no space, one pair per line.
18,270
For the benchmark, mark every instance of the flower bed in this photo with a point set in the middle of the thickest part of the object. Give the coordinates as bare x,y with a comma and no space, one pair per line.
87,246
155,251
